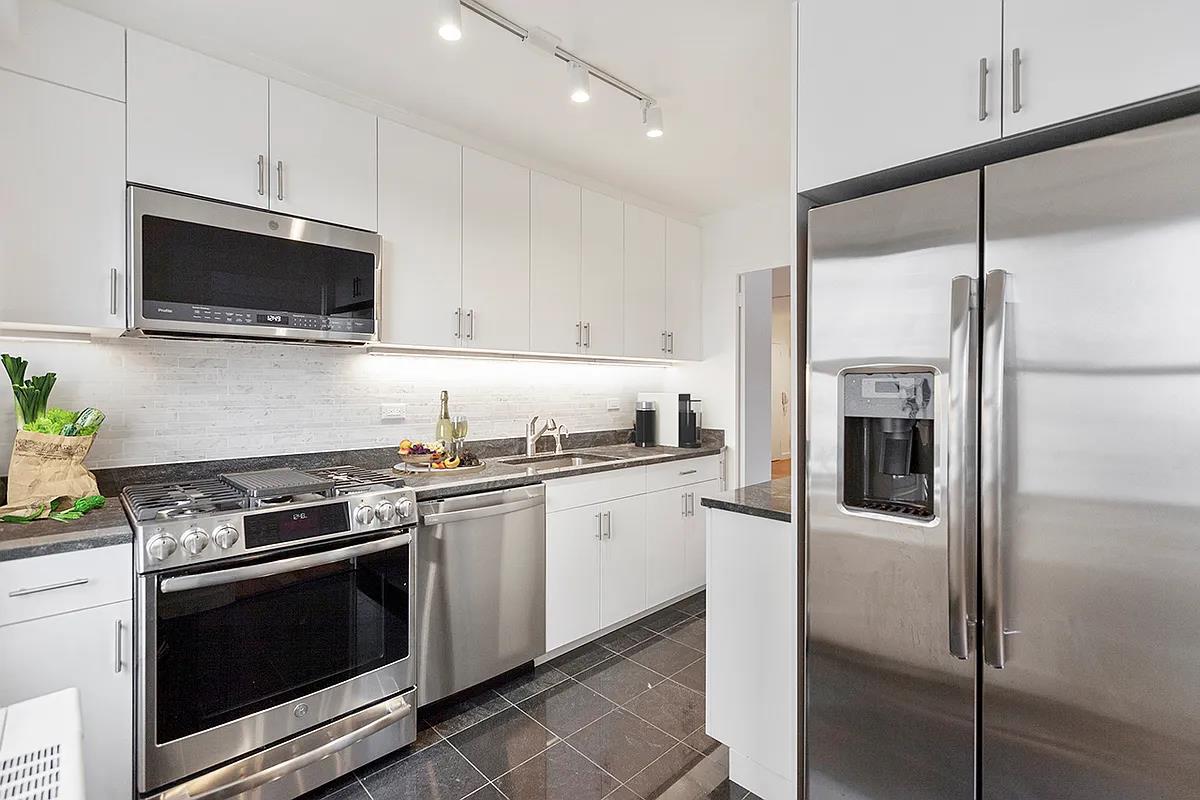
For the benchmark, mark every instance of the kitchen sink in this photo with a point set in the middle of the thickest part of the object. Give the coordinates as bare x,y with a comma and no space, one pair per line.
549,461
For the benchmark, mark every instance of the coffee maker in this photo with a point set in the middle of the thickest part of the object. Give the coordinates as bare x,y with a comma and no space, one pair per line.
689,421
678,418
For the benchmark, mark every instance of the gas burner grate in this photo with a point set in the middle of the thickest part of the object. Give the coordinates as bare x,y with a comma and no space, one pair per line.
899,509
348,477
181,500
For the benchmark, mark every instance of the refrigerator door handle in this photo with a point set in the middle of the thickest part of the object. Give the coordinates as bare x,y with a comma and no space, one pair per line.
960,508
991,518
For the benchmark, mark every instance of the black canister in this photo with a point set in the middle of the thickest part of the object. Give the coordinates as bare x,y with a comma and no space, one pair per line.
645,428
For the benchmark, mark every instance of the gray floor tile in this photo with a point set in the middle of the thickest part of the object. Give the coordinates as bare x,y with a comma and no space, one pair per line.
625,638
529,684
619,679
344,788
692,676
664,656
621,793
621,743
426,737
692,605
502,742
659,621
728,790
681,774
581,658
559,773
690,633
449,720
701,742
566,708
488,792
673,708
438,771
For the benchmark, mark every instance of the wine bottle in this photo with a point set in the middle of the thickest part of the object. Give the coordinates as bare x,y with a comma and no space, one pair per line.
445,428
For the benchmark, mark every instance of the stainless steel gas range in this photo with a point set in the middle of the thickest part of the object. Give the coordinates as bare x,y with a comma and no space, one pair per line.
274,635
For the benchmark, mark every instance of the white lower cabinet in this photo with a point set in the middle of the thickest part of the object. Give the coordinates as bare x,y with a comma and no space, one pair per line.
622,559
572,574
666,535
90,650
695,548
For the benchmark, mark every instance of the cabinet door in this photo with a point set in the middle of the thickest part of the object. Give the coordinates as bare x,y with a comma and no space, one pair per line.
666,528
495,253
323,162
683,291
555,324
881,84
420,219
1078,57
623,560
91,651
196,124
695,536
65,46
572,575
62,208
645,283
602,275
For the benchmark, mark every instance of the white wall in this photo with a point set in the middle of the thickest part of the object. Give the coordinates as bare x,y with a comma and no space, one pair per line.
750,237
183,401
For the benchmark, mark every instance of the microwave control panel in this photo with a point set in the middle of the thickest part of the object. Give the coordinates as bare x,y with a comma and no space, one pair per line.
222,315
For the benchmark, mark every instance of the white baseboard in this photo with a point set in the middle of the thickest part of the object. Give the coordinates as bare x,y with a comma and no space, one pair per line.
760,780
591,637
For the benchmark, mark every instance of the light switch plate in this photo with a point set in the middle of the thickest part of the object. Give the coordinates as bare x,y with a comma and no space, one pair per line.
614,404
393,411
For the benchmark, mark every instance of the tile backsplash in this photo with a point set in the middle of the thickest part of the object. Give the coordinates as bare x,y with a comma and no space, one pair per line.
172,401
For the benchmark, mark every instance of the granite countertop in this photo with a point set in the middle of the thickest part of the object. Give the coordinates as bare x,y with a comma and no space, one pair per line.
769,499
100,528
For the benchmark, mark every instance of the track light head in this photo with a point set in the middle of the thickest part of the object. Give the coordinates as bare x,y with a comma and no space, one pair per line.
449,20
581,80
652,119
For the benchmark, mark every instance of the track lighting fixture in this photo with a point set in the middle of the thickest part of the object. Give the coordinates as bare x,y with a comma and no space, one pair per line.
449,20
652,120
581,90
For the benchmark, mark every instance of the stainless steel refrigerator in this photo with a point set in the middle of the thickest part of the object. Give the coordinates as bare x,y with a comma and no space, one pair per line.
1004,481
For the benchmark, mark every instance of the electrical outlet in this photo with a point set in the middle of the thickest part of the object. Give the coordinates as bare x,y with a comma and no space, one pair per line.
614,404
393,411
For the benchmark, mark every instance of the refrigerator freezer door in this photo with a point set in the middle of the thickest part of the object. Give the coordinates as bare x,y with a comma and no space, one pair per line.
1091,541
890,708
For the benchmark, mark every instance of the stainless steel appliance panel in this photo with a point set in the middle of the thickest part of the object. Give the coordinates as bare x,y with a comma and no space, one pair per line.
1091,539
481,588
890,691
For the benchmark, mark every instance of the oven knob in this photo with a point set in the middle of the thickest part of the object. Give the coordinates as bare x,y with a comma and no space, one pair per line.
364,515
404,508
195,540
225,537
161,547
385,511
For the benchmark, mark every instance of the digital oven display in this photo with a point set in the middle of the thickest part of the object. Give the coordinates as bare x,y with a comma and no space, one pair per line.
277,527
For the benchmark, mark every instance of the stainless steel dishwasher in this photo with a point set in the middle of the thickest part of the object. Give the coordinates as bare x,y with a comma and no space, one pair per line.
481,588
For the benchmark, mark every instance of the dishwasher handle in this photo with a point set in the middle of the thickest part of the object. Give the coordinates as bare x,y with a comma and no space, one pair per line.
445,517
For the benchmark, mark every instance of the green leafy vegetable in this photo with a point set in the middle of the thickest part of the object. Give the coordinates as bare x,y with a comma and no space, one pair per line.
21,520
80,507
52,422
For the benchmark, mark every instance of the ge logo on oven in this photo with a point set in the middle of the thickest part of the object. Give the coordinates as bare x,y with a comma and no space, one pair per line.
299,516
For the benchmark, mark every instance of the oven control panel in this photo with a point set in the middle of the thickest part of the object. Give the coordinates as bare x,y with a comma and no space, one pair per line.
170,544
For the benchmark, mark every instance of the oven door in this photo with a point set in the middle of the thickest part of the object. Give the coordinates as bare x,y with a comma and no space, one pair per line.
239,657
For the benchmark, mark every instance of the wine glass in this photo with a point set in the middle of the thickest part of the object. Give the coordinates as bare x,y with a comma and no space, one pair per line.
460,428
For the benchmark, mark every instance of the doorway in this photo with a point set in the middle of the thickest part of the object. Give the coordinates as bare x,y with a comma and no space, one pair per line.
765,374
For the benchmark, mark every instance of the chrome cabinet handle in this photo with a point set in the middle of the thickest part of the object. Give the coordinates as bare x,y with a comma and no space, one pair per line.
578,334
683,504
991,469
691,504
279,179
1016,58
49,587
664,342
458,323
670,341
112,292
599,526
687,472
470,323
983,87
262,174
607,524
587,335
395,710
117,649
960,508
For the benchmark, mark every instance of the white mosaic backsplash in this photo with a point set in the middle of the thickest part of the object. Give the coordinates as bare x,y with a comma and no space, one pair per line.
172,401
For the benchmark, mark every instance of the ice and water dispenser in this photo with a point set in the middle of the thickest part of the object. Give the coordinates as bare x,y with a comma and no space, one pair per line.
887,445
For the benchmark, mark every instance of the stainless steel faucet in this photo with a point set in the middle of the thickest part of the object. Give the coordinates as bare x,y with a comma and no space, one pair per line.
532,434
559,432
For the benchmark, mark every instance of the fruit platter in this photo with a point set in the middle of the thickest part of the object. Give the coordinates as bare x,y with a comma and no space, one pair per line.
433,457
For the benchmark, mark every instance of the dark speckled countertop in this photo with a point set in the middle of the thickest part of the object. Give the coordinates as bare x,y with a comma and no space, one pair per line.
770,499
100,528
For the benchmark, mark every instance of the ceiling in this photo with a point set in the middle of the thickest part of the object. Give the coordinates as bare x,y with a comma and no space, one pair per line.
719,69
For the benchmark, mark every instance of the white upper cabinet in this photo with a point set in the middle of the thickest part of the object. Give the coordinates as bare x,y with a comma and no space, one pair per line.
684,334
1078,57
882,83
495,253
555,322
62,207
420,219
645,283
322,158
68,47
196,124
602,276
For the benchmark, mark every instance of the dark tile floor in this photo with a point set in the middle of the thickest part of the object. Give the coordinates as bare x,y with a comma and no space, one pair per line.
622,719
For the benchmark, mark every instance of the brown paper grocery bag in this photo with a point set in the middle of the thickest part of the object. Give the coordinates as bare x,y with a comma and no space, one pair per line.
45,467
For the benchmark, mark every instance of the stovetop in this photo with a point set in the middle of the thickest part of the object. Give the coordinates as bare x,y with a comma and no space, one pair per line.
183,523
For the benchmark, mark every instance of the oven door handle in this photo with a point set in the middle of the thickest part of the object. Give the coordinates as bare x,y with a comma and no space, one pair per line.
397,709
183,583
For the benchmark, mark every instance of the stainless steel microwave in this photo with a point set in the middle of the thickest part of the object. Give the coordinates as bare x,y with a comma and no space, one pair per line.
203,268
